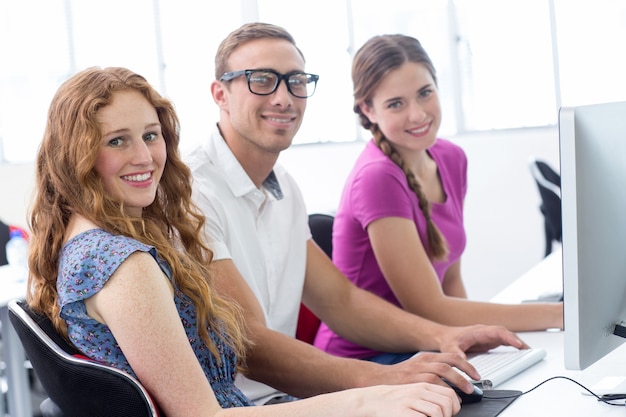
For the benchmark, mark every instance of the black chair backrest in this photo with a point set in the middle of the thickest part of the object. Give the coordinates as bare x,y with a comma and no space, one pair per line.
321,226
77,386
549,185
4,238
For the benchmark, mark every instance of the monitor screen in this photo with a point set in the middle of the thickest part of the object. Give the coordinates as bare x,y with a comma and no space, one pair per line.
592,142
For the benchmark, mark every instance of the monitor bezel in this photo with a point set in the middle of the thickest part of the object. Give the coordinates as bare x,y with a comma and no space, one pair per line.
592,140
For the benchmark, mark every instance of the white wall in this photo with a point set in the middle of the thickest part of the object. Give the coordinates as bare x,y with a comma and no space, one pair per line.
503,222
504,225
16,185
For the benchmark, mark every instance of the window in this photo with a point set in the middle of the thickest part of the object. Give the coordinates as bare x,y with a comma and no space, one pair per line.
190,36
500,65
505,63
427,21
591,58
35,56
324,39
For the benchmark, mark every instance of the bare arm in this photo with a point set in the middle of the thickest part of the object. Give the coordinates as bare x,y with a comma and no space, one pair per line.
298,368
303,370
359,315
371,321
415,284
452,283
137,304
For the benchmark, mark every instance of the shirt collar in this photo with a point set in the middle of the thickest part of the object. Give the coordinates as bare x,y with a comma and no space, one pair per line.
272,185
234,174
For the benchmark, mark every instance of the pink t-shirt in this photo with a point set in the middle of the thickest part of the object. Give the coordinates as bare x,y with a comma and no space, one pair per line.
377,188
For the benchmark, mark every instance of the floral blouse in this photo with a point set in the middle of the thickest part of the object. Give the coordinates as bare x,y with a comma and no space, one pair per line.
86,263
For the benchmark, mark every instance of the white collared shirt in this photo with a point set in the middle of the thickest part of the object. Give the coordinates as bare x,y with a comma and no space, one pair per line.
264,231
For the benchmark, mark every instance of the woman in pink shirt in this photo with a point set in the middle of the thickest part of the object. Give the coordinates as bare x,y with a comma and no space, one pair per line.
398,231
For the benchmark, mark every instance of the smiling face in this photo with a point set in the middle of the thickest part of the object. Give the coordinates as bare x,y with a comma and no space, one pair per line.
406,108
132,153
256,123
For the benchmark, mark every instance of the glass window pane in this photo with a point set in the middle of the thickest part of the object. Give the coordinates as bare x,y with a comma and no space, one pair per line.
425,20
502,49
506,66
121,34
191,33
323,38
34,51
591,58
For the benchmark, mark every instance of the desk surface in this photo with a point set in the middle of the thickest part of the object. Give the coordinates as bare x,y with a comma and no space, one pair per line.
544,278
553,399
558,397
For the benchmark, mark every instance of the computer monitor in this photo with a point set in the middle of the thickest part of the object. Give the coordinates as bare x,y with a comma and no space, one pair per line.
593,190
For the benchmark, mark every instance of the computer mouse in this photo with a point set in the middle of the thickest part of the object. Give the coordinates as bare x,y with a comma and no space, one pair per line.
466,398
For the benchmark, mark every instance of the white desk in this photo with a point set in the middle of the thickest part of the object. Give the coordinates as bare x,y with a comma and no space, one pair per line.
542,279
557,397
18,395
554,399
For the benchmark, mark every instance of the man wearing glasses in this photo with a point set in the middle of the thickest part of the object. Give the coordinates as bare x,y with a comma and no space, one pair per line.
264,257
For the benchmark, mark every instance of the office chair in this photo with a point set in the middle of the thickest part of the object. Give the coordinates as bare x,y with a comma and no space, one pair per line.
76,387
549,184
321,226
4,238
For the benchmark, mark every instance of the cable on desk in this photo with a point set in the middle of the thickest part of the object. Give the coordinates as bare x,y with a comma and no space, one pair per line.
607,399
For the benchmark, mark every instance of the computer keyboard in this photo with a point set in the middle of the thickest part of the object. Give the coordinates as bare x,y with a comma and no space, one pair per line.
495,367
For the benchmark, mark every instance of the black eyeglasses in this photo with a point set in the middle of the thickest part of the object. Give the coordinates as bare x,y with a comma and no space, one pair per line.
264,82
